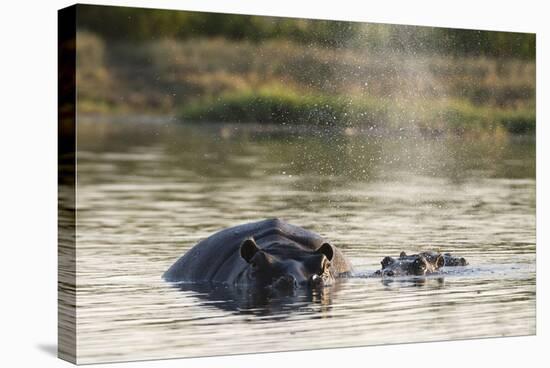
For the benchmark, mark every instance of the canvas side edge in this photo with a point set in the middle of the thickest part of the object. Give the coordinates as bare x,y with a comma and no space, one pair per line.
66,171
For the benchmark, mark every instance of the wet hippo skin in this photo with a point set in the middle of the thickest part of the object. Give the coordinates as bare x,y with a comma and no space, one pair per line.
270,253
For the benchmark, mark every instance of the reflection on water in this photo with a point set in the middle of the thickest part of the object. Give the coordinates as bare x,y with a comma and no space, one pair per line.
148,191
262,302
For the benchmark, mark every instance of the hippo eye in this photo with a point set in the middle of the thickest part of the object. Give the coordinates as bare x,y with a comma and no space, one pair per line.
419,263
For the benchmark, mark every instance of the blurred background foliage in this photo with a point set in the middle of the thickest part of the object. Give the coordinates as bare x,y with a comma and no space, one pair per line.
240,68
137,24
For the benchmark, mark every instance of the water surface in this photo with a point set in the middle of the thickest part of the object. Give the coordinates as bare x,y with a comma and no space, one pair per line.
148,190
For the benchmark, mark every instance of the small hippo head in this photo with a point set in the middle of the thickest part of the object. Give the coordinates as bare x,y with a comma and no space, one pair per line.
454,261
287,266
413,265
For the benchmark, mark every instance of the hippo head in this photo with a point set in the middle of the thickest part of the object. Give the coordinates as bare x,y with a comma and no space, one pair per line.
413,265
287,266
454,261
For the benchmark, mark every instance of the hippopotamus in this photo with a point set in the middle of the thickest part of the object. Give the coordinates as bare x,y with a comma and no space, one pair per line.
266,254
420,264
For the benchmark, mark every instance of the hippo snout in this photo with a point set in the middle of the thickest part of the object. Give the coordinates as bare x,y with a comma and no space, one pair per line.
286,282
316,281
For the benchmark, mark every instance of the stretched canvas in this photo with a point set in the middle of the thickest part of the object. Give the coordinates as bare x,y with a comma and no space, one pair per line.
234,184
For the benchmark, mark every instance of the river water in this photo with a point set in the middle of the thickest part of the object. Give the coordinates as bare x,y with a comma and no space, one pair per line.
149,189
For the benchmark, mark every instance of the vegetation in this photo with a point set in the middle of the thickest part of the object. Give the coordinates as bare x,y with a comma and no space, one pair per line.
278,106
279,81
145,25
226,67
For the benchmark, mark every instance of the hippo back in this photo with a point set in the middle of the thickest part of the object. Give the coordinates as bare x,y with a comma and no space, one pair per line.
217,258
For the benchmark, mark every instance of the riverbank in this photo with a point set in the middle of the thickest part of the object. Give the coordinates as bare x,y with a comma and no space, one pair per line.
286,107
279,82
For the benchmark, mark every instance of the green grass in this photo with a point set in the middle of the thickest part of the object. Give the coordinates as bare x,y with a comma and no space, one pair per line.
277,106
519,121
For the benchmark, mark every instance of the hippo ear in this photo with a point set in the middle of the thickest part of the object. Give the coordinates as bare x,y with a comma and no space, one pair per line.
326,250
248,249
440,261
402,254
387,261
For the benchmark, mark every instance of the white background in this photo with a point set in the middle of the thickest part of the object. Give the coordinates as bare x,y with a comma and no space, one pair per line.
28,181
